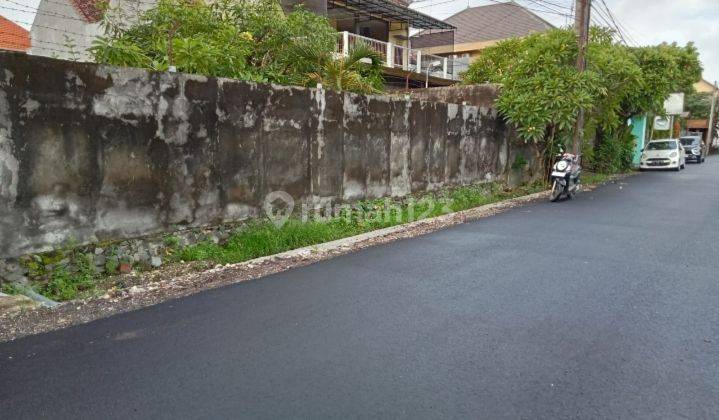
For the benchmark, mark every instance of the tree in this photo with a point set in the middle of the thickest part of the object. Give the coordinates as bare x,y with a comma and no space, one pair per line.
698,105
190,36
608,145
244,39
542,92
359,72
666,69
618,76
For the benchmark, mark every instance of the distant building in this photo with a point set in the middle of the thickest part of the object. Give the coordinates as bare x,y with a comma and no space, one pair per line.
66,28
703,86
13,37
478,28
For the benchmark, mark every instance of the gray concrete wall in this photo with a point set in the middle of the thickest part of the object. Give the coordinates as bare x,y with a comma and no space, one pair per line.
478,95
91,153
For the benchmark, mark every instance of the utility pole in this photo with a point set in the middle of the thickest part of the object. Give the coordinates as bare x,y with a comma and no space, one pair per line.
712,121
582,11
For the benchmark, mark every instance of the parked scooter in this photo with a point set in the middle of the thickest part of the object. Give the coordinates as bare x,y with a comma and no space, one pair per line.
565,176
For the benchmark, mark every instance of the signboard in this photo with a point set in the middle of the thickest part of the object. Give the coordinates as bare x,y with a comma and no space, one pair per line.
662,123
674,105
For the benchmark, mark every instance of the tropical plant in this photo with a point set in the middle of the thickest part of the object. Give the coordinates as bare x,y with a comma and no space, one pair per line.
359,71
698,104
614,153
619,78
666,69
244,39
542,92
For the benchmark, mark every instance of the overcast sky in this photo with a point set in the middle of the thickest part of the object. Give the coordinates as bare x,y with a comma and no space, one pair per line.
646,21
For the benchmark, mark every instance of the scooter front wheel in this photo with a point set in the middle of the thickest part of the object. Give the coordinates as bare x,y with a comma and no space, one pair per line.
556,191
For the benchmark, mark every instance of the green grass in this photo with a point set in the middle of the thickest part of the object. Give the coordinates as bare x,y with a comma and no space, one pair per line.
9,289
79,279
589,178
67,285
263,238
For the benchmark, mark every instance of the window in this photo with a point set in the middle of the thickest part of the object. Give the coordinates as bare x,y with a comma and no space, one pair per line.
662,145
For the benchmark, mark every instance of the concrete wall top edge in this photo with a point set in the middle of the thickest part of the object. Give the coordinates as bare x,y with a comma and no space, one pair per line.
421,95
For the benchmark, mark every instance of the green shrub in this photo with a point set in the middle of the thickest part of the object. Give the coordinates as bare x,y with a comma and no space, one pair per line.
614,153
67,284
519,162
171,241
262,238
242,39
9,289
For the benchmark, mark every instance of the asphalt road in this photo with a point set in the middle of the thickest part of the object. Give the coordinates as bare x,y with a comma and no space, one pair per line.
604,306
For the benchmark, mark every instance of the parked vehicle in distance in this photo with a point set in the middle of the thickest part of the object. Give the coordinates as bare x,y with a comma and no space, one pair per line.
694,148
663,154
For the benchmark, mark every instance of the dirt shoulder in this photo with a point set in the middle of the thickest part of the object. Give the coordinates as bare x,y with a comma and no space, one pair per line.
178,280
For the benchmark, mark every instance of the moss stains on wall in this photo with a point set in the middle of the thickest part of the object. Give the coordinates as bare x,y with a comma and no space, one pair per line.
91,153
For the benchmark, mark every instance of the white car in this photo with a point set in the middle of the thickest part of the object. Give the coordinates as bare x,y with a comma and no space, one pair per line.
663,154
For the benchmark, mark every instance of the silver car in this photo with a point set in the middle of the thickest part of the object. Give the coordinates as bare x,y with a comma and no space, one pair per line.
694,148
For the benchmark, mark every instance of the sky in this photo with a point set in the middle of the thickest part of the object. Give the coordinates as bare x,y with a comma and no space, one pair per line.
646,22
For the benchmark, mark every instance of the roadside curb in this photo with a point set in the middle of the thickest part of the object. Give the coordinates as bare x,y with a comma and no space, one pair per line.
444,220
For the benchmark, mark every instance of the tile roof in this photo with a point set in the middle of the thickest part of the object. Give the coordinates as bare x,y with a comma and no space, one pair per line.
90,10
495,21
13,36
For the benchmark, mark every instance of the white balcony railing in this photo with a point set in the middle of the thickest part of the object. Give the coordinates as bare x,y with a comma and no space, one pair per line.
408,59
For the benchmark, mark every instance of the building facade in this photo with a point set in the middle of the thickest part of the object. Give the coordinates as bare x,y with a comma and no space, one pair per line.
704,86
477,28
385,26
65,29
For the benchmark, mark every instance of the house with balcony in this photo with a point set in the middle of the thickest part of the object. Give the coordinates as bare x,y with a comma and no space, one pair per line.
66,28
385,26
476,28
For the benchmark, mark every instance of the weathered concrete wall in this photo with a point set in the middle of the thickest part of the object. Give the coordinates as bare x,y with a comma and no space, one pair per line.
484,97
91,152
478,95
